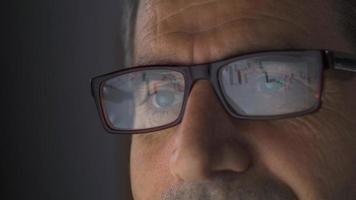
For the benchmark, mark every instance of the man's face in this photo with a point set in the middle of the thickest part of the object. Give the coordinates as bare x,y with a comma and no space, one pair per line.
211,155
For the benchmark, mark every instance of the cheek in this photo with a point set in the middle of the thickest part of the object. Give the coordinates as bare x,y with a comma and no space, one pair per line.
307,153
290,157
339,94
149,169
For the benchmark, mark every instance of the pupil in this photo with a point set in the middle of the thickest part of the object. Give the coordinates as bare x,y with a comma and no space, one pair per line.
164,99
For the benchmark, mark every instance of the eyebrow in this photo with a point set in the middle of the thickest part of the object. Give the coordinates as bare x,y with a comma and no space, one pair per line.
156,60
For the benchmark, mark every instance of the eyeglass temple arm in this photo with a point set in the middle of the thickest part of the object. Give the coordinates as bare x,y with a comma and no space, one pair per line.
341,61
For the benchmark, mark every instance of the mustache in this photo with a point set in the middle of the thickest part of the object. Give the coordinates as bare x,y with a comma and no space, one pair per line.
228,188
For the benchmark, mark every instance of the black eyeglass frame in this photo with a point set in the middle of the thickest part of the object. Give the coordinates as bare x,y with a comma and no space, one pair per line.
209,71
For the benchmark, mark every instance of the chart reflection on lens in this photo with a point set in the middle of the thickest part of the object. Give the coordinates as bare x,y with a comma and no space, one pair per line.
272,85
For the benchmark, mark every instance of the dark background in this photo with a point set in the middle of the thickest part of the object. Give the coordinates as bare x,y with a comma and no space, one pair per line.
53,145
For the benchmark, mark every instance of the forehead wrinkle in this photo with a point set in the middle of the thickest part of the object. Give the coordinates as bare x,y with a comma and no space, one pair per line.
183,9
151,23
223,13
222,10
197,17
162,10
179,39
227,22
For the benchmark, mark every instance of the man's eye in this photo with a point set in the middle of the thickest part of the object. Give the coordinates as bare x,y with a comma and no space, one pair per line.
163,99
158,104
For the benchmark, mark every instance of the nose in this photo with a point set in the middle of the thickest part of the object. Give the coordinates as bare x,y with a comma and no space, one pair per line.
206,141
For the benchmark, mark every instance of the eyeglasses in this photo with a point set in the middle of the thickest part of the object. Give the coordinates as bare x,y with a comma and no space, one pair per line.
262,86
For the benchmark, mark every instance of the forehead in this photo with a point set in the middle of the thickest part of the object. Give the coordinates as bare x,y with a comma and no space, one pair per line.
198,31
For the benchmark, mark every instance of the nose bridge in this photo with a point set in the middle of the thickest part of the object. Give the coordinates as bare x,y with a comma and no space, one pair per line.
203,105
205,116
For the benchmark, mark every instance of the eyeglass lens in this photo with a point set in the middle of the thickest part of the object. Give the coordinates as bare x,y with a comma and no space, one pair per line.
272,85
143,99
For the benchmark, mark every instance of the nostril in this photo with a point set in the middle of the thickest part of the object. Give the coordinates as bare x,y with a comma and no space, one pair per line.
231,157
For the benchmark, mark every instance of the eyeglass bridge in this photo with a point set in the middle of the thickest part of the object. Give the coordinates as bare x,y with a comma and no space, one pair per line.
200,72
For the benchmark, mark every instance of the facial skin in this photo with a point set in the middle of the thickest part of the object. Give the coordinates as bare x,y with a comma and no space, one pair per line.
211,155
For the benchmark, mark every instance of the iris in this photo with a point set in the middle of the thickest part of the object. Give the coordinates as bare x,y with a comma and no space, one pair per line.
163,99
